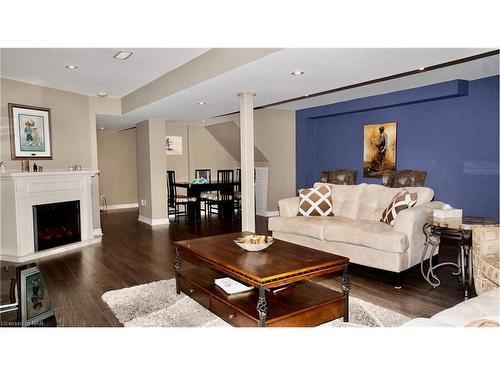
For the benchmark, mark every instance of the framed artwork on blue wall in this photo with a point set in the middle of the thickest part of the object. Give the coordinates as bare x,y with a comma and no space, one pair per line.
379,149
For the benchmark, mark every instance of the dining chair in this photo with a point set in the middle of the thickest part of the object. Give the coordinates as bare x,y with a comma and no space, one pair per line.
238,174
203,173
237,189
225,175
237,192
221,197
175,200
207,175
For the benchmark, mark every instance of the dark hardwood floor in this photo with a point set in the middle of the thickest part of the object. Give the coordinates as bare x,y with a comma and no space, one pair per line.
133,253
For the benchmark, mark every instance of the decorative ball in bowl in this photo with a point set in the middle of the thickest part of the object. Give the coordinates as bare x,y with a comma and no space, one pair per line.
254,242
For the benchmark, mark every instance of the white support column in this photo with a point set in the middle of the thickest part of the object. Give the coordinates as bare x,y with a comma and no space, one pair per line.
247,162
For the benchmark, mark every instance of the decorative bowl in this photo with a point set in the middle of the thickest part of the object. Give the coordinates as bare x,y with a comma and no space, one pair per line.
254,242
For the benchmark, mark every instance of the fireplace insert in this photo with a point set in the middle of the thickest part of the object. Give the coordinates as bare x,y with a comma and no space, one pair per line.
56,224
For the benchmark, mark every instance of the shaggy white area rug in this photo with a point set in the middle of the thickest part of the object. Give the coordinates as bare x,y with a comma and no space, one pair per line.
157,305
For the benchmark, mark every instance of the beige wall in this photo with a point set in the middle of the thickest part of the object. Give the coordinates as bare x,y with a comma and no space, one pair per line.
73,127
179,163
75,141
105,106
275,138
116,152
143,168
151,178
205,152
228,135
158,175
70,119
200,151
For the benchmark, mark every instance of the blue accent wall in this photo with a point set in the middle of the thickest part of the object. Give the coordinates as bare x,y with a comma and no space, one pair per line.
449,129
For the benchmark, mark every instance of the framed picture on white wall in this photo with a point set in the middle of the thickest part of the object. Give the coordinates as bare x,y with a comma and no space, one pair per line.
173,145
29,128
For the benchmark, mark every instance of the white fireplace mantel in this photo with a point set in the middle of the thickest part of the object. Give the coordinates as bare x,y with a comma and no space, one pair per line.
20,191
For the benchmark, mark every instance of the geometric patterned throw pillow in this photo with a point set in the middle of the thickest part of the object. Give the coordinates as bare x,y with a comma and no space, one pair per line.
315,202
400,202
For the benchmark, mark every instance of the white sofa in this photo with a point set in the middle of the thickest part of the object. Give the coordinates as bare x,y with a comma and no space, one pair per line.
356,231
483,307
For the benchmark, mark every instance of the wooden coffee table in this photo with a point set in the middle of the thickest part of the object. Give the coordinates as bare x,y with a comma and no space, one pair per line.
283,294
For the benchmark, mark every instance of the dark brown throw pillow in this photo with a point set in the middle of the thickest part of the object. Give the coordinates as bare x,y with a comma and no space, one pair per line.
400,202
315,202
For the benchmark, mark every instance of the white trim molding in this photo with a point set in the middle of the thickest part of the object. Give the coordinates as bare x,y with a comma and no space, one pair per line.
120,206
153,222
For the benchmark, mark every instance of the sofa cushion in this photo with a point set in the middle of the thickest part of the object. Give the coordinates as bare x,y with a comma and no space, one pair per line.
308,226
483,305
345,199
372,234
402,201
425,322
315,202
375,198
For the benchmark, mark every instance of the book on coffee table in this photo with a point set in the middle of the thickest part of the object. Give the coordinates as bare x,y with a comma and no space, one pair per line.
231,286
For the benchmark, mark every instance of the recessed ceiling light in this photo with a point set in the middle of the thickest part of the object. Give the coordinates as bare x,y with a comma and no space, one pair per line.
201,103
297,73
123,55
101,128
421,68
102,94
71,67
203,120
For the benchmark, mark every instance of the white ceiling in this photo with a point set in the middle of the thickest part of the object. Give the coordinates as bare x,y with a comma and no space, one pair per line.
471,70
269,76
97,69
324,69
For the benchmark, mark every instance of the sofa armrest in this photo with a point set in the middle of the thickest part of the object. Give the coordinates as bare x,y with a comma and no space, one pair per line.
411,222
406,219
289,206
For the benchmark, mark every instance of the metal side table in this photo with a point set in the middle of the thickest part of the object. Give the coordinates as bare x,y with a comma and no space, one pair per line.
462,227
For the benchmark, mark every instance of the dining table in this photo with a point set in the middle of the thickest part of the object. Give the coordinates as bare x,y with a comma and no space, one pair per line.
195,189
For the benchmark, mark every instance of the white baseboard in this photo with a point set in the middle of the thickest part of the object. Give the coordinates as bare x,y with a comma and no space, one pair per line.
97,232
120,206
153,222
